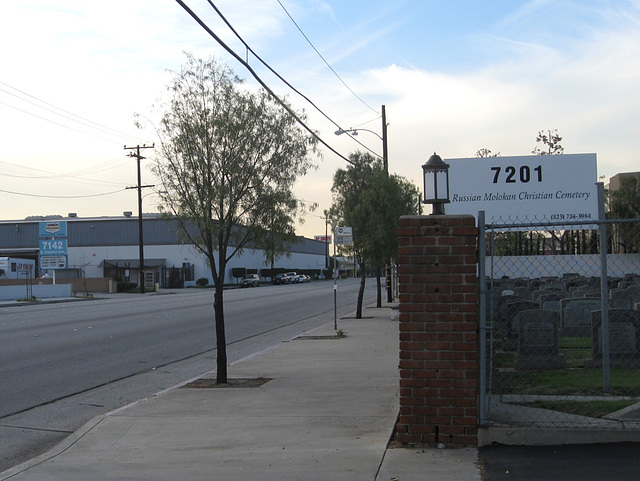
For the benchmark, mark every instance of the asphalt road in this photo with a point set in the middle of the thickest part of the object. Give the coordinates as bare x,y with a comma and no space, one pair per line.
597,462
62,364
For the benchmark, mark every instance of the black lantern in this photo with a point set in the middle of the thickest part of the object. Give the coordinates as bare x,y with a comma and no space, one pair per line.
436,183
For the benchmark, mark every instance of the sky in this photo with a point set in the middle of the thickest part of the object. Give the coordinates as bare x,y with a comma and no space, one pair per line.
455,77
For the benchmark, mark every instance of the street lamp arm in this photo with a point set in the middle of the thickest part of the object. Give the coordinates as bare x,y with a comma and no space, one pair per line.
355,132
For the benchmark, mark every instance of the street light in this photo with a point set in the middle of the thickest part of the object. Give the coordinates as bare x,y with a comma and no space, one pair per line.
436,183
385,164
354,132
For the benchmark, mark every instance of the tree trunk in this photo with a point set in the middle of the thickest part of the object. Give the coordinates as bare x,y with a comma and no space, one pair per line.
379,287
363,277
221,341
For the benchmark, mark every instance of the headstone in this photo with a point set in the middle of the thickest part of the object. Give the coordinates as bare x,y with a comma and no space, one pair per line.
587,293
521,283
576,315
536,284
624,339
510,311
499,303
557,285
522,292
538,340
625,298
552,301
536,295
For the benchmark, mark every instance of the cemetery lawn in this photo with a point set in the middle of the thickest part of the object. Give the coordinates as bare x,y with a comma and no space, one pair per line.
567,382
575,350
593,409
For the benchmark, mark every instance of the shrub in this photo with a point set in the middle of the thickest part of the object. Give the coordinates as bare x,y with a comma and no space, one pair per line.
126,286
203,281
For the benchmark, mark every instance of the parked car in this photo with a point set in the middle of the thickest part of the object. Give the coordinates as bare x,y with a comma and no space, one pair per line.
292,276
250,280
281,279
302,278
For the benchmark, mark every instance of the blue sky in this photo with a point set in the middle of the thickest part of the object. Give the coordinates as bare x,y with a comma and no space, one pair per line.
454,76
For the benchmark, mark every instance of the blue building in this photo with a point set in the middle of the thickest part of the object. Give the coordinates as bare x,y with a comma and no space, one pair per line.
100,247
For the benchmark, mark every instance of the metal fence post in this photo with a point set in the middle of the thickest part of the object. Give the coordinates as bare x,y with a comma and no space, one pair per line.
482,317
604,292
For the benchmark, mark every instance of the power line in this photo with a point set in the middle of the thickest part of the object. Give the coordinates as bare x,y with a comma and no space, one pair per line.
71,175
324,60
260,81
65,113
249,49
58,123
61,196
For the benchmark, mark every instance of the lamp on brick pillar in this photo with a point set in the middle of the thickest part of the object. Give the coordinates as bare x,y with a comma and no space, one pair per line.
436,183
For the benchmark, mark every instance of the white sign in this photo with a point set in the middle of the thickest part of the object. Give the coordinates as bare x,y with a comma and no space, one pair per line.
344,231
535,188
344,240
53,262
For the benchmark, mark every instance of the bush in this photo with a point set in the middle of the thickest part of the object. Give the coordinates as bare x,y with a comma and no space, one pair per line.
126,286
203,281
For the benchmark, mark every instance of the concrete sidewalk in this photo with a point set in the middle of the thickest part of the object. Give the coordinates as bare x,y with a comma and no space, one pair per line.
326,413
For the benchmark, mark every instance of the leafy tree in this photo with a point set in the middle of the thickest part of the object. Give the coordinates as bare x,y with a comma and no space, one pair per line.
371,201
624,203
227,163
486,153
551,140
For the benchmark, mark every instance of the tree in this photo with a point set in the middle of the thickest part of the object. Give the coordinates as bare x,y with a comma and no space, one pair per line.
624,203
227,163
552,142
486,153
371,201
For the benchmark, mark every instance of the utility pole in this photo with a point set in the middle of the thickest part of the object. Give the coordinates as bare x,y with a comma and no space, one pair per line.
385,152
385,163
139,157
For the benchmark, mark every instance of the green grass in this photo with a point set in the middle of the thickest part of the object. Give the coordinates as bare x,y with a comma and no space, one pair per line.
574,343
568,382
594,409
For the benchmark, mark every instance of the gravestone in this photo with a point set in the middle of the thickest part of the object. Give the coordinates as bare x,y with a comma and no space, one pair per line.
625,298
586,293
522,292
576,315
502,323
536,295
624,338
552,301
510,312
538,340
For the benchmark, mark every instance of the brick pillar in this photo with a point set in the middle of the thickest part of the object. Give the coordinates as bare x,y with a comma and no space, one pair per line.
438,330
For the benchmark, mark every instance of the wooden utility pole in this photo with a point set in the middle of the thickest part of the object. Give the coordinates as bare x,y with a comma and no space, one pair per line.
385,152
139,157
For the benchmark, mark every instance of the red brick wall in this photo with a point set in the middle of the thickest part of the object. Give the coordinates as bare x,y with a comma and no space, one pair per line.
438,330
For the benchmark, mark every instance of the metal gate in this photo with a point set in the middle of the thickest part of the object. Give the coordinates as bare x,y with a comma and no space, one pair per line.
560,324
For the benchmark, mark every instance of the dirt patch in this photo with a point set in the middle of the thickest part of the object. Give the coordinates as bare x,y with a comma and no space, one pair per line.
315,338
232,383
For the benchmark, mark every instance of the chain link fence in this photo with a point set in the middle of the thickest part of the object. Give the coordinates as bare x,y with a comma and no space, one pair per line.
560,321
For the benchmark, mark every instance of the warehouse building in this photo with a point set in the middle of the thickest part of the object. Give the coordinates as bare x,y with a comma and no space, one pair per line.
108,247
